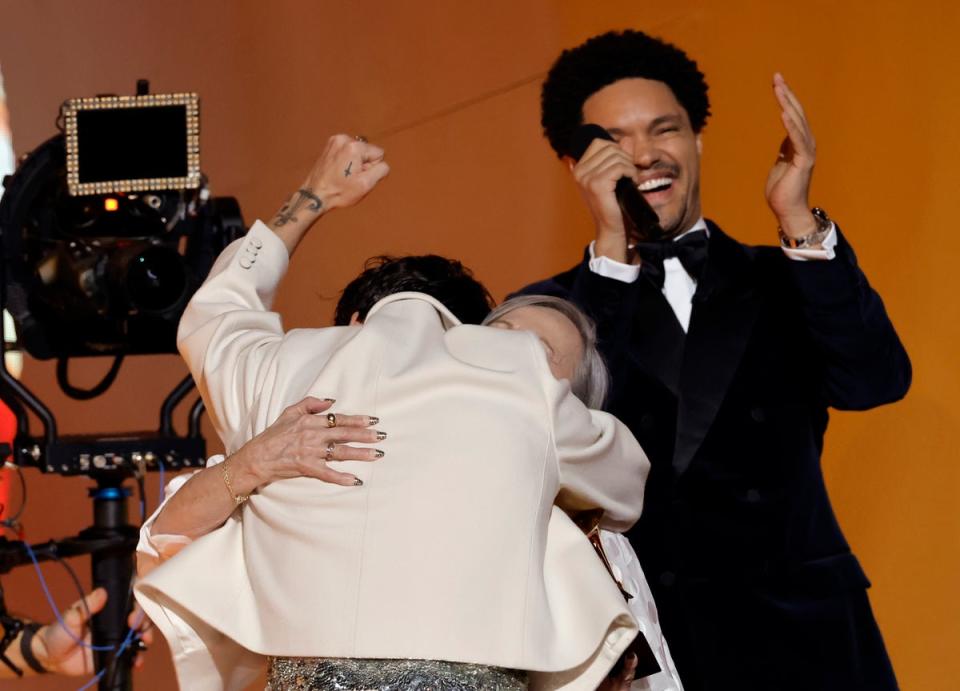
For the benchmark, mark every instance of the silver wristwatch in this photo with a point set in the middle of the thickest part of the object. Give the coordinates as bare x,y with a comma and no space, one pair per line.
824,224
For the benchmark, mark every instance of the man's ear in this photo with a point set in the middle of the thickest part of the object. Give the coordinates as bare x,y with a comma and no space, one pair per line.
570,161
699,145
355,319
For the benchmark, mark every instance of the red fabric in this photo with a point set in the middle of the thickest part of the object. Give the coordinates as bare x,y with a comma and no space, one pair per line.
8,428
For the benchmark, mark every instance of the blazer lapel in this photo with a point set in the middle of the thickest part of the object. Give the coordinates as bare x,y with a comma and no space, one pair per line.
724,309
657,338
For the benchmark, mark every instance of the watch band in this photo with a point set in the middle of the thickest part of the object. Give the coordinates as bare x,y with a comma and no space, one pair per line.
814,239
26,647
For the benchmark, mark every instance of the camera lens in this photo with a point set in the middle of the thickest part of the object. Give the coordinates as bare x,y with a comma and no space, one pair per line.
156,279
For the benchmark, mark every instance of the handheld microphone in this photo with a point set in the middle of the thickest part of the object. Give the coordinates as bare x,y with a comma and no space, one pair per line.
642,221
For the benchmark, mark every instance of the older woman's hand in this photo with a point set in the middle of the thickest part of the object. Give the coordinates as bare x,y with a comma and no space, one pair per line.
302,441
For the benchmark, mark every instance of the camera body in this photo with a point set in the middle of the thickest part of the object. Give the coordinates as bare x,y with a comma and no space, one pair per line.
95,262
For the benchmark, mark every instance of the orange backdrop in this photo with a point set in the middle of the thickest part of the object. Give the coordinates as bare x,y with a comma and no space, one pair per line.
472,178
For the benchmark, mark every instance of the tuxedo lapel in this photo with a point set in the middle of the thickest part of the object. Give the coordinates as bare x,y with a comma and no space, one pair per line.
657,338
724,309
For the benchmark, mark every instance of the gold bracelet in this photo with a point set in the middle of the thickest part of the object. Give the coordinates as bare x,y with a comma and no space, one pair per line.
238,499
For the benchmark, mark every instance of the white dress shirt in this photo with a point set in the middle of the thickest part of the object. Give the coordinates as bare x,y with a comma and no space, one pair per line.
678,285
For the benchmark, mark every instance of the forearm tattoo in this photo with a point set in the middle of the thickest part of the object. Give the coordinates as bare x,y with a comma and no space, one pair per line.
288,211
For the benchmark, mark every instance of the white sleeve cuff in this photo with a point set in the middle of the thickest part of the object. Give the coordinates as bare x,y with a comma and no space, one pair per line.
609,268
826,252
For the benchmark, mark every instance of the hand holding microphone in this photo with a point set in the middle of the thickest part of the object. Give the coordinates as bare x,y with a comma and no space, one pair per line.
607,179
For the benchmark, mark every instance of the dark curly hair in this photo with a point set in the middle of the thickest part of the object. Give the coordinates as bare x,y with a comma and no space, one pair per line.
602,60
447,280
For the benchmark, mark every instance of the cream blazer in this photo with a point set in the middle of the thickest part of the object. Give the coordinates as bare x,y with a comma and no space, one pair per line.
454,548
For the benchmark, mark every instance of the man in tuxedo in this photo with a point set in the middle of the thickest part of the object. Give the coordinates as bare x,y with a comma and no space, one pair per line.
725,360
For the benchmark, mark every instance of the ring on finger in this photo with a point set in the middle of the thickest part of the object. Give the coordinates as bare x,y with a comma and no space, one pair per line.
331,419
331,447
360,138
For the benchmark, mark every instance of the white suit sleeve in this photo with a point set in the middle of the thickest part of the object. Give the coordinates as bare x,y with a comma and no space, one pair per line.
601,464
228,336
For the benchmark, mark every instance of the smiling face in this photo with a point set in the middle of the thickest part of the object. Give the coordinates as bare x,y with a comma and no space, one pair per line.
559,336
646,120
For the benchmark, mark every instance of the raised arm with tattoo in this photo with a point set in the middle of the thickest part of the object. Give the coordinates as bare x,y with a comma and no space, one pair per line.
344,174
301,441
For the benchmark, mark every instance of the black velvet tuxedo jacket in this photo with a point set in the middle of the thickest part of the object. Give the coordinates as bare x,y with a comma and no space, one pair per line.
755,585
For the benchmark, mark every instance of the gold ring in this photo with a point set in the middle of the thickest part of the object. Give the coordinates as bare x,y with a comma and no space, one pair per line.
361,138
331,447
331,420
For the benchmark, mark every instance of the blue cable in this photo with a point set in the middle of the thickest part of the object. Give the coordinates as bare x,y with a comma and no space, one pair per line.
131,631
162,473
93,681
126,641
53,605
123,646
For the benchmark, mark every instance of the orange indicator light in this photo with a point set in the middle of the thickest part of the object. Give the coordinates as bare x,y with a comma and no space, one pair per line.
110,204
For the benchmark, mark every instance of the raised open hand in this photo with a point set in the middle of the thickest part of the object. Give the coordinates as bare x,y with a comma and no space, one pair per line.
788,184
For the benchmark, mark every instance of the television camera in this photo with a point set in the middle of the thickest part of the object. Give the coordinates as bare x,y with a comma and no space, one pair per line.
106,230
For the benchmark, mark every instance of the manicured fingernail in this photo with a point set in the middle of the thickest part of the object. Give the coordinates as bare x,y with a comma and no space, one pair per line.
381,436
330,400
371,421
357,482
378,453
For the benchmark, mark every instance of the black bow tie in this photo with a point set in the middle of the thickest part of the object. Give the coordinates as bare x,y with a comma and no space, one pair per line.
691,250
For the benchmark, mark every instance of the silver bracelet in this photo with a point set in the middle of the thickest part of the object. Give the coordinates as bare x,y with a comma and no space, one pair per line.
814,239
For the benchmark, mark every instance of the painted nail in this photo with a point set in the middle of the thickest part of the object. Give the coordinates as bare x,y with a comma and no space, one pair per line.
357,482
371,421
381,436
378,453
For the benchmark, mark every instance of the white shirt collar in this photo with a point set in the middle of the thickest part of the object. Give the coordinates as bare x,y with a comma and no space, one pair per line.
701,224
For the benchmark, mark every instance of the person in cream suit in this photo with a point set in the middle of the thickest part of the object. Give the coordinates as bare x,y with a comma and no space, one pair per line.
451,555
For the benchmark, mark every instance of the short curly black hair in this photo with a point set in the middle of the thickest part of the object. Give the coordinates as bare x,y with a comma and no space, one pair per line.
447,280
602,60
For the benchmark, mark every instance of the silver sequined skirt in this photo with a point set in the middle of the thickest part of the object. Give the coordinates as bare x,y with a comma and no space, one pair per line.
345,674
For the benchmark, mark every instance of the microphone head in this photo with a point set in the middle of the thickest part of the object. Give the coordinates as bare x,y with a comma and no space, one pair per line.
583,137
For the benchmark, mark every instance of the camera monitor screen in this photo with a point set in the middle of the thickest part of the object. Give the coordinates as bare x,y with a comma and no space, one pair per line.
132,143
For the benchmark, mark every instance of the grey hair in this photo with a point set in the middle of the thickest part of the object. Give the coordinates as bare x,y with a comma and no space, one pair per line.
590,378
